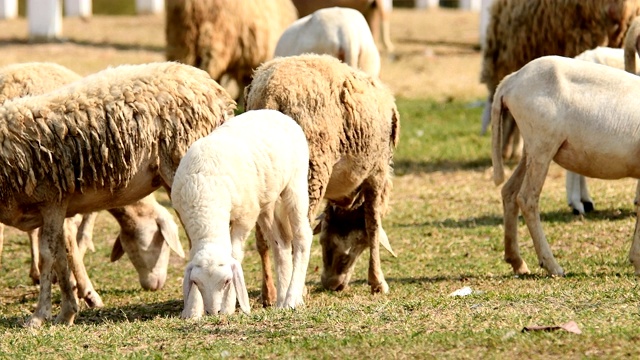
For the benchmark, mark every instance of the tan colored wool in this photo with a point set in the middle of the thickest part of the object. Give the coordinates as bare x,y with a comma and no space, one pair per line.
33,78
225,37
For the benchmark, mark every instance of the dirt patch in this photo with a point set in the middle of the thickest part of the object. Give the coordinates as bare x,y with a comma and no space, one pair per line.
437,54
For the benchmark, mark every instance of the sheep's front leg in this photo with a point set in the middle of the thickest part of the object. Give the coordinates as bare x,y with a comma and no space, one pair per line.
510,209
85,288
52,238
634,252
281,245
268,288
528,198
585,198
302,240
373,222
34,271
239,233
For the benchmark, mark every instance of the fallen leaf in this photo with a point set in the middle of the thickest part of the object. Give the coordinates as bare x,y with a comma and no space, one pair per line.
571,326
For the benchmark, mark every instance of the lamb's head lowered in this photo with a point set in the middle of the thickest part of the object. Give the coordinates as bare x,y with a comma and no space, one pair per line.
343,237
148,234
213,280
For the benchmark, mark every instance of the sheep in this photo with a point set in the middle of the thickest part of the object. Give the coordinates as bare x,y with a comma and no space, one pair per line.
253,168
143,223
520,31
340,32
225,37
352,125
581,115
578,196
102,142
376,12
632,46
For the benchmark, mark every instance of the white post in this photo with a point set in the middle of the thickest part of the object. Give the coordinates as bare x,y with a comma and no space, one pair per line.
45,19
8,9
78,8
472,5
484,20
150,6
427,4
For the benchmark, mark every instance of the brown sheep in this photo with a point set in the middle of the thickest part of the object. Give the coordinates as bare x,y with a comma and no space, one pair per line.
520,31
352,125
225,37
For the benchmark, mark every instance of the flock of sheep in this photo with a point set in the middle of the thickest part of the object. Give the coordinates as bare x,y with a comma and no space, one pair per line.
319,129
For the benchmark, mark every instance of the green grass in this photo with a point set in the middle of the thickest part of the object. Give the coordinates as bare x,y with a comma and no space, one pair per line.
446,227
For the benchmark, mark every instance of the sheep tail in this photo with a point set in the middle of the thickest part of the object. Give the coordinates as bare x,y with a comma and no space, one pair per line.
631,46
496,137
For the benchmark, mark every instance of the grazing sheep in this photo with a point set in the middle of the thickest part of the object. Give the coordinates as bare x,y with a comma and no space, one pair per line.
251,169
225,37
340,32
581,115
352,126
577,192
378,16
143,223
102,142
520,31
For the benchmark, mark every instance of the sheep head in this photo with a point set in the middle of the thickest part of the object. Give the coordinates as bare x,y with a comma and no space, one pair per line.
148,234
218,280
343,238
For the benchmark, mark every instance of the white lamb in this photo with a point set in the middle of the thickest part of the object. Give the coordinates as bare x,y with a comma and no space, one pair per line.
583,116
340,32
251,169
578,196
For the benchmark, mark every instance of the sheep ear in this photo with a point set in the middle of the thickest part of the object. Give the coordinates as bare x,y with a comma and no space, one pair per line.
241,288
384,241
169,231
117,251
318,227
193,303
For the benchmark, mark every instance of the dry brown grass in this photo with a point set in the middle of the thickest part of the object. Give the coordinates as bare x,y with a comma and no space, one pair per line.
436,50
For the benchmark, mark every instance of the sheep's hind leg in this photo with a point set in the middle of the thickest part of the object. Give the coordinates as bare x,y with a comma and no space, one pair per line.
634,252
373,223
528,200
585,198
281,246
510,208
268,288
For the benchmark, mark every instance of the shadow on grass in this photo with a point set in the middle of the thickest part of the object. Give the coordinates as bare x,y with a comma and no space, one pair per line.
87,43
403,167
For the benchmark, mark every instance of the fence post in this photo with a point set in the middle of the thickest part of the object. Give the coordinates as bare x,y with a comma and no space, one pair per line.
8,9
150,6
426,4
78,8
45,19
473,5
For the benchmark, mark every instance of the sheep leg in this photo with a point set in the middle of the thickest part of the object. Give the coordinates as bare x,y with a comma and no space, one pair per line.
373,223
585,198
510,209
634,252
281,246
84,286
572,185
1,241
34,271
528,199
239,232
54,259
302,239
268,288
85,233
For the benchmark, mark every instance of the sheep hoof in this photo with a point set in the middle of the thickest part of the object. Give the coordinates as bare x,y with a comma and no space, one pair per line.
383,288
575,211
34,322
588,206
93,300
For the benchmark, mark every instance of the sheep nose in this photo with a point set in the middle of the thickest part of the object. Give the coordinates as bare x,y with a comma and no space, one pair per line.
152,282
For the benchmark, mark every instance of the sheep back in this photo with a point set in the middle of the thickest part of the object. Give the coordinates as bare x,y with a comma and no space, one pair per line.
342,111
520,31
32,78
225,36
94,133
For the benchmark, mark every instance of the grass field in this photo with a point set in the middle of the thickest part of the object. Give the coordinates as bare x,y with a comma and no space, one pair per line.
445,226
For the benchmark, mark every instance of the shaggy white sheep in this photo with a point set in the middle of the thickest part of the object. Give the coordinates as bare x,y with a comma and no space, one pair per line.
340,32
251,169
581,115
102,142
148,231
352,127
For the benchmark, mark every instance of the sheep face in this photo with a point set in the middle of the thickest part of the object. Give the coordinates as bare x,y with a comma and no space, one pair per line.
148,234
218,279
343,239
